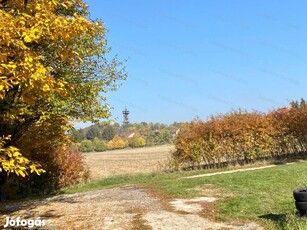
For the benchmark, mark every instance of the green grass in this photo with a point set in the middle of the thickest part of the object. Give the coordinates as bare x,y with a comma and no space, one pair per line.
263,195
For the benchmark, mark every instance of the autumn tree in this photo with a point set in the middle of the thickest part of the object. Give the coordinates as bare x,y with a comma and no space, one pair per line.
53,70
93,132
108,133
77,135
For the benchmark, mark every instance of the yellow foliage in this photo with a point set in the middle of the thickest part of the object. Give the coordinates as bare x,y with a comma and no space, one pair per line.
47,25
50,55
117,143
11,160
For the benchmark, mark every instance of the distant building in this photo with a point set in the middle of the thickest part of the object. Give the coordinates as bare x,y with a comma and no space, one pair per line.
175,132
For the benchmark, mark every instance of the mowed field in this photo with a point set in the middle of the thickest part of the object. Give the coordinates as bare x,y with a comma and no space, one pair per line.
127,161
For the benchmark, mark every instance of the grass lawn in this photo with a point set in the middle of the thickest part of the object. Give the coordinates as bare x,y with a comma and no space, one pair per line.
263,195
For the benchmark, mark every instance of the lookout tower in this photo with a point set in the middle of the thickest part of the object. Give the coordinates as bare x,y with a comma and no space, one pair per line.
125,114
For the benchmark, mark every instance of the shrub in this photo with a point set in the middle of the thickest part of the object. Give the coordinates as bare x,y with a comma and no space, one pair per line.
71,169
100,146
58,156
137,142
117,143
86,146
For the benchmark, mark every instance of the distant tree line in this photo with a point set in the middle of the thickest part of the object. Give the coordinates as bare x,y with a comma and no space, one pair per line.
115,136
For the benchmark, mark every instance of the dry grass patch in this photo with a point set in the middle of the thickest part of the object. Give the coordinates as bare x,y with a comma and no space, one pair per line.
128,161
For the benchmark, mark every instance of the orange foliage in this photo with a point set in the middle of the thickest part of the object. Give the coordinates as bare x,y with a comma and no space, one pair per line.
242,136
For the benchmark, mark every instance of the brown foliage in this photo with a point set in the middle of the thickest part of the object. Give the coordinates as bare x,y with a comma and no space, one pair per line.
242,136
52,149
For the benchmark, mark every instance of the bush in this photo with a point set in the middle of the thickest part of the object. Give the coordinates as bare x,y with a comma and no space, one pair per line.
100,146
117,143
137,142
86,146
58,156
71,168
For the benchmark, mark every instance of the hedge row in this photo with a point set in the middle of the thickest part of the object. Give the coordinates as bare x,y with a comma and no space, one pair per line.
241,137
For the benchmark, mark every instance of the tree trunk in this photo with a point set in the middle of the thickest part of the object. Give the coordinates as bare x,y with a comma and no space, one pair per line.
2,186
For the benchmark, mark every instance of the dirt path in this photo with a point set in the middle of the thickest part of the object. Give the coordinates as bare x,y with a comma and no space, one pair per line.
236,170
127,207
231,171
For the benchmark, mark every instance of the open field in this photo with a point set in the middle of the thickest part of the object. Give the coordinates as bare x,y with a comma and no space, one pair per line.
127,161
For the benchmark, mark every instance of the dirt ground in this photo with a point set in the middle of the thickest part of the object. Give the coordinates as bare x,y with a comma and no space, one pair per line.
127,161
123,208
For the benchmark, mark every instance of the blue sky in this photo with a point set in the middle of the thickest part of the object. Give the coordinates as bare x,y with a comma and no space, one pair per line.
191,59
